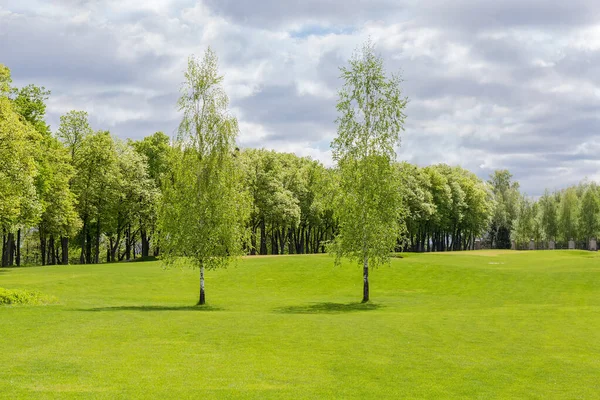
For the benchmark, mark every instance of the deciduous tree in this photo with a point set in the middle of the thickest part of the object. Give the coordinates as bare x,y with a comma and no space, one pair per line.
202,219
371,117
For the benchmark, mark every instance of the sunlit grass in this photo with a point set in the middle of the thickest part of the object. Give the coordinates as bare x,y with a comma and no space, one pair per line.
507,325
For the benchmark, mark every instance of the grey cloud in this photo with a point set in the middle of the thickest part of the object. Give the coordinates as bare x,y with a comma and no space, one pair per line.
485,15
289,115
81,53
278,13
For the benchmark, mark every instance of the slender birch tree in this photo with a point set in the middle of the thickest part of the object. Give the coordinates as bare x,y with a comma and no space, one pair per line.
371,117
204,208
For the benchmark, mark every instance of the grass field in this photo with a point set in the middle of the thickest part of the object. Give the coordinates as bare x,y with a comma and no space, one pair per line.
484,325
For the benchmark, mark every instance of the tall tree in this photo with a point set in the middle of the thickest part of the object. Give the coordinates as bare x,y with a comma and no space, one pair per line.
568,215
95,184
522,226
548,216
156,149
133,203
59,218
589,222
202,220
371,108
19,145
506,202
73,129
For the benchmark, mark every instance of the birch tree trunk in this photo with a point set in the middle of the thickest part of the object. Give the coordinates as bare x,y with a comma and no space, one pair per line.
366,280
202,299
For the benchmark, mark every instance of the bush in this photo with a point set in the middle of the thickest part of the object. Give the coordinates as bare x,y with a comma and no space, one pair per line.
18,296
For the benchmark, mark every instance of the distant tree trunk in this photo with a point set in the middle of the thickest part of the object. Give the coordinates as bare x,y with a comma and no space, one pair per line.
97,255
301,244
274,249
108,251
64,244
365,280
156,250
133,245
52,258
282,240
11,249
145,243
263,238
83,231
253,241
18,258
290,241
43,247
88,246
128,244
4,261
48,259
111,249
202,299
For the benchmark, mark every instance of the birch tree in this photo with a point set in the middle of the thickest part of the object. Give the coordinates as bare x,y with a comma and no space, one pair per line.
371,117
568,215
589,224
203,212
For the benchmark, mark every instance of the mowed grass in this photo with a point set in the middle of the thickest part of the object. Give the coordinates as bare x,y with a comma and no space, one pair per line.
484,325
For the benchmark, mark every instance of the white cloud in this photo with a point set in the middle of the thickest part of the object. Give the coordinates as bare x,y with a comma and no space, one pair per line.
489,88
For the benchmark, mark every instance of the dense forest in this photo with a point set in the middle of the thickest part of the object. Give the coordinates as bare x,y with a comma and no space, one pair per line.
77,194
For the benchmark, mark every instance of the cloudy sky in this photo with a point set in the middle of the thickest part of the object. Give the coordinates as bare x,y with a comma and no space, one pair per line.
492,84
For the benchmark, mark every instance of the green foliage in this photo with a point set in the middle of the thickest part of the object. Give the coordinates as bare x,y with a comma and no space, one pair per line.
371,117
19,202
23,297
5,80
549,216
74,128
96,184
589,215
59,203
506,197
156,149
523,226
568,215
135,197
30,103
446,208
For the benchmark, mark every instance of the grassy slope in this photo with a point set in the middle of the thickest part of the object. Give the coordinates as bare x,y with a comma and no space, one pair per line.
477,325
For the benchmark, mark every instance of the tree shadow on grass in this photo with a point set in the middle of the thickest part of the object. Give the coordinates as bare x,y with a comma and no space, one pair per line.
328,308
152,308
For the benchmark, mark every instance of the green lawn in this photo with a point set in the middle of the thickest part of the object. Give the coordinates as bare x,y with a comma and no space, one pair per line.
472,325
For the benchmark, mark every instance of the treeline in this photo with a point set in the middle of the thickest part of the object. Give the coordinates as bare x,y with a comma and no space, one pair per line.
445,208
562,216
79,195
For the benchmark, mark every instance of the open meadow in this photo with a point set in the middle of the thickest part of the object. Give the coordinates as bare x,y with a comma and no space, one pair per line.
484,324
